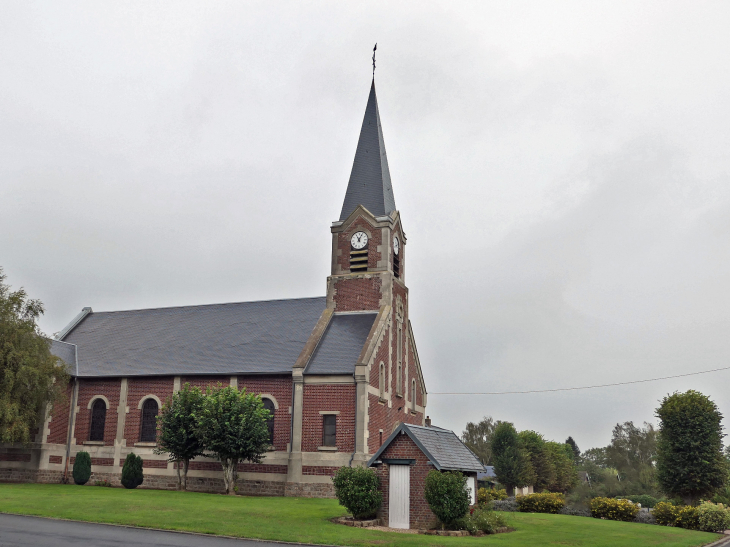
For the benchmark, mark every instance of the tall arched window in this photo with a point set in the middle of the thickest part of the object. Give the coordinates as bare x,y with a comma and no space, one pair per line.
148,433
269,405
381,381
413,395
98,420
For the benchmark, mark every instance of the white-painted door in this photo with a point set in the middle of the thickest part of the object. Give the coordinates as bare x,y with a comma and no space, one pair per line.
399,496
471,483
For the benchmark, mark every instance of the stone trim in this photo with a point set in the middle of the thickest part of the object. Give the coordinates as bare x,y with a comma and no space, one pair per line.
94,398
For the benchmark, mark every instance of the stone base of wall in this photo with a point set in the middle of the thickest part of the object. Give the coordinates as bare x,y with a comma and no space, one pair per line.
29,475
310,490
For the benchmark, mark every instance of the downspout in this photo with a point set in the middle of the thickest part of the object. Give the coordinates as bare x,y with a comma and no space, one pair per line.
71,420
354,446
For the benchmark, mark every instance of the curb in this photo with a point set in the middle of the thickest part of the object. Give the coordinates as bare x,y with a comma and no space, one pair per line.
722,542
175,531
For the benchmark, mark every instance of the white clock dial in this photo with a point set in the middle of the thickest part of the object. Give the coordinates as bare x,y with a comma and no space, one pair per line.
396,245
359,240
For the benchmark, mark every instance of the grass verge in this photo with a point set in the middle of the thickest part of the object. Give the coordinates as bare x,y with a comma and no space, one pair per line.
307,520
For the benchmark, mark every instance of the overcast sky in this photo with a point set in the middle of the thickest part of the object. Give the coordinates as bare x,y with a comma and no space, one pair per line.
561,169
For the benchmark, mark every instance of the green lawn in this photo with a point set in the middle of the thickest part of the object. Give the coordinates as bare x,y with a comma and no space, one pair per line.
307,520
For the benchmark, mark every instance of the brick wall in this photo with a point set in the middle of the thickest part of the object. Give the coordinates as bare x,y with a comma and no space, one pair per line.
205,381
109,388
58,425
280,387
328,398
357,294
137,389
403,447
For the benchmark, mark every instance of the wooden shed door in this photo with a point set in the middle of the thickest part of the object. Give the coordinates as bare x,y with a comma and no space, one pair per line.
399,496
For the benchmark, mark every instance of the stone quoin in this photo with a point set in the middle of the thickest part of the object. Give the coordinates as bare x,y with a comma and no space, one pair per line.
339,372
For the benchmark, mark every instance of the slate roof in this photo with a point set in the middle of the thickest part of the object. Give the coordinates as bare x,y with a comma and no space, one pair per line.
67,353
369,183
442,447
341,344
248,337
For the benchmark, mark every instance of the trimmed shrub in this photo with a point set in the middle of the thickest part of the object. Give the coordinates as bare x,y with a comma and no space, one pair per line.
613,509
481,520
447,495
82,468
645,517
713,517
485,495
509,505
575,511
548,502
643,499
358,490
132,475
665,513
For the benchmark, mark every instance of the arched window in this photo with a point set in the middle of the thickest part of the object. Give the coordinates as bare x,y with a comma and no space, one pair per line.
148,433
413,395
381,381
269,405
98,420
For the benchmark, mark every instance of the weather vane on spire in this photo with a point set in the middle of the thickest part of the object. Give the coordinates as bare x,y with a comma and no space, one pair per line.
376,47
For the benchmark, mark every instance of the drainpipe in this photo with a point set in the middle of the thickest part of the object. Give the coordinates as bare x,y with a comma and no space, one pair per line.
71,423
354,439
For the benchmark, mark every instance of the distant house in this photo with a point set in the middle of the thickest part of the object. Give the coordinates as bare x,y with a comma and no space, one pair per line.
404,460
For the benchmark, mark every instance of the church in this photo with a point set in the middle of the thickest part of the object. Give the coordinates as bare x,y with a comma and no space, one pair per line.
339,373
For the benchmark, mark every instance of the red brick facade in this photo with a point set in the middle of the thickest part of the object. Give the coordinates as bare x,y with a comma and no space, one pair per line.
89,390
280,388
361,293
328,398
137,390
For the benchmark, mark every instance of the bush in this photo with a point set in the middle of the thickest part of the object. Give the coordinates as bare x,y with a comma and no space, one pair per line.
713,518
643,499
508,505
485,495
82,468
447,495
103,483
575,511
481,520
645,517
358,490
549,502
613,509
132,475
665,513
688,517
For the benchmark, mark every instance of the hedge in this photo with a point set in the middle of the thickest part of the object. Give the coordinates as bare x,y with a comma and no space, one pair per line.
548,502
613,509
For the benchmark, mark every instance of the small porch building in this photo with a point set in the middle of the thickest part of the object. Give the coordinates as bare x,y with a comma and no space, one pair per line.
404,460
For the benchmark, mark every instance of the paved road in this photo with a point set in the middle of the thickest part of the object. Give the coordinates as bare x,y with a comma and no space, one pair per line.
16,531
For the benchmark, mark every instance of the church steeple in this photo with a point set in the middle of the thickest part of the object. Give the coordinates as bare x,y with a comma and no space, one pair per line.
370,184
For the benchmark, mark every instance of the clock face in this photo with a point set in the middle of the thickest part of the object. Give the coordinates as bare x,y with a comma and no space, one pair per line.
359,240
396,245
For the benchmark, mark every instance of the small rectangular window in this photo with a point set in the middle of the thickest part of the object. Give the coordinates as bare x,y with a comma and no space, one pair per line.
329,430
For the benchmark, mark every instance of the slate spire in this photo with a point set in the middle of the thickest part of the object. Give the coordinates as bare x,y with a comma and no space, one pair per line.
370,184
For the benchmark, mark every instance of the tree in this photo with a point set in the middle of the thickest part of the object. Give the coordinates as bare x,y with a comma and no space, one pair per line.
233,426
82,468
447,495
561,457
690,463
574,448
178,430
132,474
534,444
31,378
632,450
511,463
478,438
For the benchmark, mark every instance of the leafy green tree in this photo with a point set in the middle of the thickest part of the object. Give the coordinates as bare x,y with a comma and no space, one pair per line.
632,450
511,463
178,430
690,462
534,444
232,425
565,473
357,489
478,438
574,447
132,474
31,378
447,495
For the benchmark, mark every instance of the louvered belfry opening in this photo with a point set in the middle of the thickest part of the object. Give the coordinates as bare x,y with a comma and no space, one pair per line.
148,433
269,405
98,420
396,265
359,260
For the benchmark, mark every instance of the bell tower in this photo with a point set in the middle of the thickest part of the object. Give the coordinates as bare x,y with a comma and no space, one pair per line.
368,242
